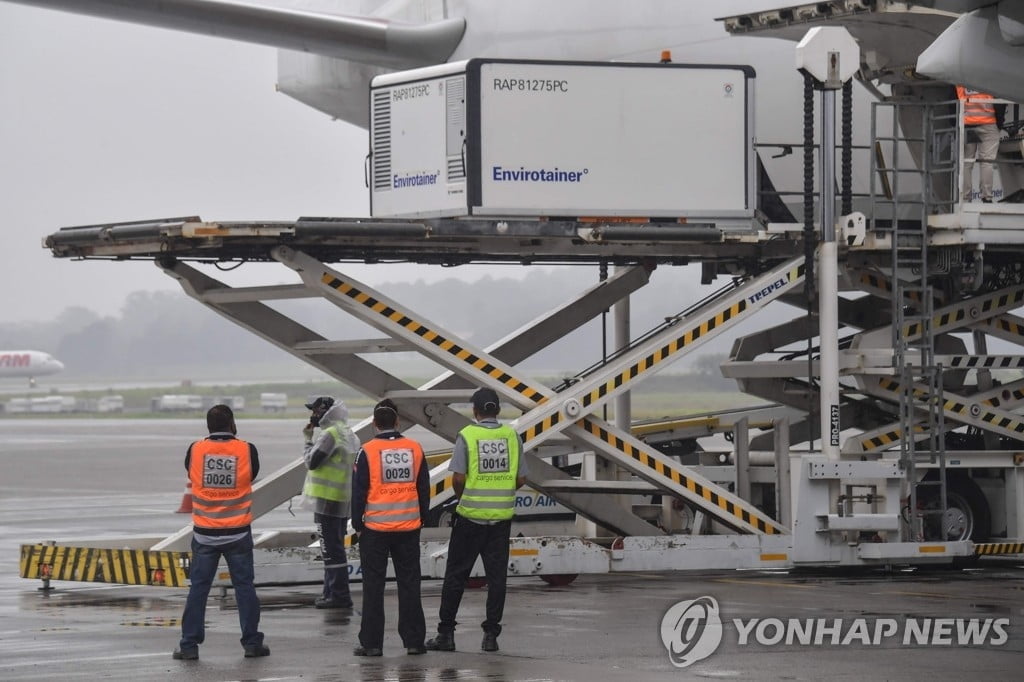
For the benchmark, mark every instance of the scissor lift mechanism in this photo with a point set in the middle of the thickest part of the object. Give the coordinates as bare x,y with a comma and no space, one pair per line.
564,420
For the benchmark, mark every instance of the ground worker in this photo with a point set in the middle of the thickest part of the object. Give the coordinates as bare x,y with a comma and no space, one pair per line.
487,467
982,122
328,487
221,469
390,499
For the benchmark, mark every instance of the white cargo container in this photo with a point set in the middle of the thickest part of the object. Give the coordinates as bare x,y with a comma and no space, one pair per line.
491,137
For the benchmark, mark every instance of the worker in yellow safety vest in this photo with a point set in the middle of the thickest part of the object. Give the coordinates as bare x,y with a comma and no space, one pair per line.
487,467
328,489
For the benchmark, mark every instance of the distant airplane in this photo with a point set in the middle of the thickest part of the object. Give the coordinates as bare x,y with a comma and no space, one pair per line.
28,363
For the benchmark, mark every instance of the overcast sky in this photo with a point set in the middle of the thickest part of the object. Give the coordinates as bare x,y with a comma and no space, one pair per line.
104,121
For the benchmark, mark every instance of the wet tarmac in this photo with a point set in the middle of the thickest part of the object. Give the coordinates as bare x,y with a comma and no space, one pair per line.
72,480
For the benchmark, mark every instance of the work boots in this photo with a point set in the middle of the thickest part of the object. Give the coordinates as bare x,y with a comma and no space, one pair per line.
489,642
444,641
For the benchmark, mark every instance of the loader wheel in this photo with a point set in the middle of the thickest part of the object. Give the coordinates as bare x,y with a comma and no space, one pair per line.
559,579
967,516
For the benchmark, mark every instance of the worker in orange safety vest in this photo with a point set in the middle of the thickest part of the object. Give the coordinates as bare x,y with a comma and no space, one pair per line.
221,469
982,122
390,499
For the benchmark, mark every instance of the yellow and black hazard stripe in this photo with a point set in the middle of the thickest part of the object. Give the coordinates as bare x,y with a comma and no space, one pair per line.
876,281
986,361
439,487
1016,396
1009,324
732,510
540,427
915,329
891,385
97,565
995,548
686,338
1001,421
883,284
427,334
883,440
1005,422
959,313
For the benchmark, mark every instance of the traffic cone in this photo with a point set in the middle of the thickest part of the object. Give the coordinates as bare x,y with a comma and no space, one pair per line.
186,500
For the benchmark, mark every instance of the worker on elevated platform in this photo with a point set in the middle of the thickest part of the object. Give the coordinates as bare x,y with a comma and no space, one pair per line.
982,123
390,499
221,469
328,488
487,467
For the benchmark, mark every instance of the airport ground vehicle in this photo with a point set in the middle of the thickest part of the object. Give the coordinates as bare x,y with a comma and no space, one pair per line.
927,270
110,403
273,402
176,402
235,402
50,404
762,503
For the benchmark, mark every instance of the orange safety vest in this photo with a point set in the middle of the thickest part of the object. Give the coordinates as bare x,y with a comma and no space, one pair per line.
221,476
392,503
977,111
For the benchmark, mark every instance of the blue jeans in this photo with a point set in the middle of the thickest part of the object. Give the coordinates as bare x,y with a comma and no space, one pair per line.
205,558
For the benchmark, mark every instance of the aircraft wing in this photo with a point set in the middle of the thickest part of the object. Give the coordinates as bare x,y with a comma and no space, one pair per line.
891,34
984,50
978,43
375,41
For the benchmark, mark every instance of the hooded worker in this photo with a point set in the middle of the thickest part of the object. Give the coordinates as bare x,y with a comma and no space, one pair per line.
328,486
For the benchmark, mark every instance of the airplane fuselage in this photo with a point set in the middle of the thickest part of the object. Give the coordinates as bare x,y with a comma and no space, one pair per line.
27,363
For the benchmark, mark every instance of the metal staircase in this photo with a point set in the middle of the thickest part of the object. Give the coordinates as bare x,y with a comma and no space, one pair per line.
920,182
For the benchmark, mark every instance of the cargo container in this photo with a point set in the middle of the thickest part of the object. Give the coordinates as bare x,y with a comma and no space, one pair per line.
491,137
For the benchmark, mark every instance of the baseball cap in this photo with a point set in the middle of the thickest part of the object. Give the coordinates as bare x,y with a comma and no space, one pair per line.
485,400
321,403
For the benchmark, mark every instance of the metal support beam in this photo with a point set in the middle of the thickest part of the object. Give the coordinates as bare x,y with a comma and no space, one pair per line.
367,378
478,367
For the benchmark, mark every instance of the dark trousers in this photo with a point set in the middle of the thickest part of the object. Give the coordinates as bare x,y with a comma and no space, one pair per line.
331,530
205,558
468,541
404,548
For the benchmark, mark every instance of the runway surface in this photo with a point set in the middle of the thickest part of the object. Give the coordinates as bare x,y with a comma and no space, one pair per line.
75,479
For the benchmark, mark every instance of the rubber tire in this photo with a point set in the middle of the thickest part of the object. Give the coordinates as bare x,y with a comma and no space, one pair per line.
971,493
960,488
